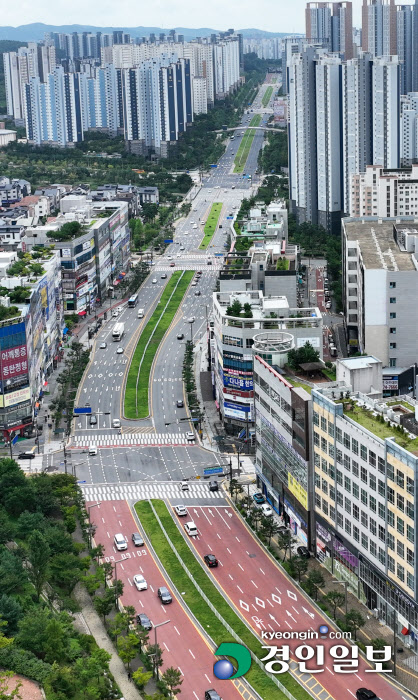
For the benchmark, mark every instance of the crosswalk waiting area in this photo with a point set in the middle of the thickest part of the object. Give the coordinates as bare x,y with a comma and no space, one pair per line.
150,439
149,489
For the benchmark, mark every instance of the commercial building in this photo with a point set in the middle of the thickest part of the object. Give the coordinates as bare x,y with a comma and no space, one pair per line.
233,337
331,24
366,475
283,417
380,285
7,136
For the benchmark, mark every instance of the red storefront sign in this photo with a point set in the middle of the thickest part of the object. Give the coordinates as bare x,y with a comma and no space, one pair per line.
13,362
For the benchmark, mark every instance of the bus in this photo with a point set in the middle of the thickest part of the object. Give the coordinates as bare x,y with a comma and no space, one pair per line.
133,301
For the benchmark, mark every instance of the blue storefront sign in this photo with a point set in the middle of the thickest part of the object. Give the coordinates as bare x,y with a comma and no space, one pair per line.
237,382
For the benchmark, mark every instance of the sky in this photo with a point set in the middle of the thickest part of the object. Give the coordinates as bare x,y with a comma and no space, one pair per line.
271,15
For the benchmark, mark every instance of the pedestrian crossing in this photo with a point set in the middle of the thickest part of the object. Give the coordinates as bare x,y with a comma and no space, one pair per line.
127,439
137,431
149,489
188,266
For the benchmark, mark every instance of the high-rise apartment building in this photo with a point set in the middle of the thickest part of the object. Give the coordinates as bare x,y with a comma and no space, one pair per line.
379,27
330,24
409,129
385,193
404,41
385,112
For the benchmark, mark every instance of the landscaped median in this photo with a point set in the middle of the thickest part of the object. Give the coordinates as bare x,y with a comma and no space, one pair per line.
211,224
136,390
245,145
257,678
266,97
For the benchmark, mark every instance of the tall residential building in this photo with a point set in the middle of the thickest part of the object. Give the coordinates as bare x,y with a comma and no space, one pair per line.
380,286
291,46
365,502
331,24
343,116
379,27
385,193
404,31
409,129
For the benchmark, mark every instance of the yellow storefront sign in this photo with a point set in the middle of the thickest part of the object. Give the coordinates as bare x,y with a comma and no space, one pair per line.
297,490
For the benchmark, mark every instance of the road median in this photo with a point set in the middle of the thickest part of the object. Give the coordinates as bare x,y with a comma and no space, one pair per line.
211,224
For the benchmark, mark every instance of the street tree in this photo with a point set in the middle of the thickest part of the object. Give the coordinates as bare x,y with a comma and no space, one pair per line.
103,604
300,566
256,516
314,582
129,613
97,552
355,621
117,625
143,637
141,677
285,540
269,527
334,599
173,680
38,555
155,653
128,648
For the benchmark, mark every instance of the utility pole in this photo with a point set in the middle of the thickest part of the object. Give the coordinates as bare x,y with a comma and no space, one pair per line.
395,624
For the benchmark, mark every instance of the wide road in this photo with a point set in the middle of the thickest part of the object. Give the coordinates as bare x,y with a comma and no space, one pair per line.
182,643
269,601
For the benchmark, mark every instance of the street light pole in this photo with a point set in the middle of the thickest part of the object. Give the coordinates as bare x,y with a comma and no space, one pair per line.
116,580
93,505
160,624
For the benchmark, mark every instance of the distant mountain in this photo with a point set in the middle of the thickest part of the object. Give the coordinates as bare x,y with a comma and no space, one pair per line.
36,31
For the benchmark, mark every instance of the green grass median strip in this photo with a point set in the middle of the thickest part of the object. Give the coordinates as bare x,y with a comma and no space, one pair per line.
161,327
245,145
255,676
211,223
266,97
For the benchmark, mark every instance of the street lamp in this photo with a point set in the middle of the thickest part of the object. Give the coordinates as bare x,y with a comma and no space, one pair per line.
116,580
93,505
160,624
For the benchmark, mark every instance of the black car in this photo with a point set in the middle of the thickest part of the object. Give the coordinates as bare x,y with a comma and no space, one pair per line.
179,403
212,695
164,595
197,294
137,540
366,694
26,455
144,621
303,552
213,486
180,336
210,560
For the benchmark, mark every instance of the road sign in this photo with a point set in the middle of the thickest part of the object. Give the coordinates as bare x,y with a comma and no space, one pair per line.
219,255
214,165
229,217
212,470
15,439
81,482
168,240
85,409
195,420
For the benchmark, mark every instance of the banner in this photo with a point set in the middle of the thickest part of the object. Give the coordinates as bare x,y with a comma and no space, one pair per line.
13,362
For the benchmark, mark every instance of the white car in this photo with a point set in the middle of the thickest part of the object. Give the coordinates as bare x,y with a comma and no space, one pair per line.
195,226
119,309
169,257
186,233
178,255
154,281
181,510
266,510
192,222
140,582
190,437
119,351
115,314
191,529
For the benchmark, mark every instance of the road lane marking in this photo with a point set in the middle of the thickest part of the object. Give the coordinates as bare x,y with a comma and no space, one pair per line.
240,589
166,647
289,626
177,630
192,653
240,567
262,572
254,584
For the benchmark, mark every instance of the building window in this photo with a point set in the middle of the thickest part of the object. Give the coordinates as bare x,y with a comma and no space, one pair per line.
372,503
400,572
400,502
356,511
347,524
373,526
400,479
317,480
339,498
391,518
332,493
340,519
364,519
382,533
400,525
381,465
346,441
390,541
339,477
392,285
354,467
347,505
382,555
354,446
391,495
392,362
364,541
363,472
364,497
392,314
382,511
410,580
325,507
392,331
324,444
390,472
410,533
372,458
372,482
356,533
392,346
324,465
323,424
317,500
400,549
363,452
410,485
347,462
391,564
324,486
373,548
332,512
347,484
338,434
410,510
392,300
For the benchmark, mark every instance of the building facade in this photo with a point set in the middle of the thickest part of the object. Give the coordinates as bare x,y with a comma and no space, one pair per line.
331,24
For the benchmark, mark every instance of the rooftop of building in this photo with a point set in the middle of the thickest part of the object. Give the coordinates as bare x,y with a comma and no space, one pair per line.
269,308
376,239
362,362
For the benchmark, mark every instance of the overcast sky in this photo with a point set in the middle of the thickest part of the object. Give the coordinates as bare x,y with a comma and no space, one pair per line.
271,15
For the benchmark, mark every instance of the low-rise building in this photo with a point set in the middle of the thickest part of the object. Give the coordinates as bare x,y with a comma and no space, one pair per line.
366,476
238,317
380,286
385,192
13,190
7,136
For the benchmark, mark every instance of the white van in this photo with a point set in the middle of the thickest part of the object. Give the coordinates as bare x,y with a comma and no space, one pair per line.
140,313
120,542
92,450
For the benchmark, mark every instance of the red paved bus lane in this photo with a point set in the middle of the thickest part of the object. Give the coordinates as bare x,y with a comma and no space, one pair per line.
182,644
272,603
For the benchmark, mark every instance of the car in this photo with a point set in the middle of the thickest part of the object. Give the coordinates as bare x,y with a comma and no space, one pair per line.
282,530
185,233
366,694
120,542
116,423
213,485
164,595
179,403
180,510
140,582
184,485
93,420
212,695
26,455
164,276
115,314
303,552
194,284
172,264
180,336
178,255
143,620
191,529
199,273
220,225
266,510
182,247
197,293
259,498
210,560
192,319
137,539
195,226
192,222
103,346
190,437
169,257
119,309
154,281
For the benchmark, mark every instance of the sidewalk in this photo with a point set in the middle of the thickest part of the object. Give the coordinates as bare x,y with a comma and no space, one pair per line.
97,630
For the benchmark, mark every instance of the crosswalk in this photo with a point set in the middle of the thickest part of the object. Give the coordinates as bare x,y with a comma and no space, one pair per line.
144,490
126,439
137,431
188,266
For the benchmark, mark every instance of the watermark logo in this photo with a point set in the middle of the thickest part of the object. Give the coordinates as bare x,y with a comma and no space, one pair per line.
223,669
